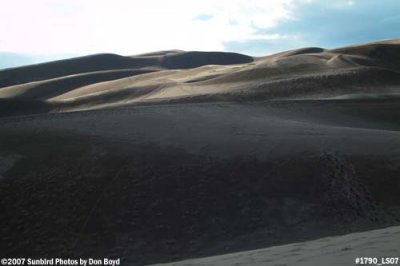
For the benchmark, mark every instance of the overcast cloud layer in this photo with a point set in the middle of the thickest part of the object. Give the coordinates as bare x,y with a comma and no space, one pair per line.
52,28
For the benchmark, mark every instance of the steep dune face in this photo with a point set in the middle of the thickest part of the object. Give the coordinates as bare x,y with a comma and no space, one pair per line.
384,54
196,59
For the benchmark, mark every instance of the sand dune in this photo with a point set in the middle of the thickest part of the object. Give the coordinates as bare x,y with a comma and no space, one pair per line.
174,155
45,89
308,73
192,180
343,250
19,75
101,62
196,59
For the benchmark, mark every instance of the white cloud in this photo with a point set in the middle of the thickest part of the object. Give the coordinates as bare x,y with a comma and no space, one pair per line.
131,26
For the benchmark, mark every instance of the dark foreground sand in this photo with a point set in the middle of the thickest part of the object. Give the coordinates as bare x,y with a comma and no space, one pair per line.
158,158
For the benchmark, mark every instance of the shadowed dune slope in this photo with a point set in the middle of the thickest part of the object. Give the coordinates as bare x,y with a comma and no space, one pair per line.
71,66
384,54
308,50
100,62
197,59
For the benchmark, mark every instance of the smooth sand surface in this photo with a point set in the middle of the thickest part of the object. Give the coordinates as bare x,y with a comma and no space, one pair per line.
339,250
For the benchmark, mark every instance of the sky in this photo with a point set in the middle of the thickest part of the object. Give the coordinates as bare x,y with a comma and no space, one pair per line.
42,30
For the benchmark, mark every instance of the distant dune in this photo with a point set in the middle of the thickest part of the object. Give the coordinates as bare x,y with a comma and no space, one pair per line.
99,62
108,80
174,155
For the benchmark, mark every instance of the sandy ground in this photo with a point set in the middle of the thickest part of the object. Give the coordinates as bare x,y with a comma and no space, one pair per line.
174,155
286,172
229,129
340,250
